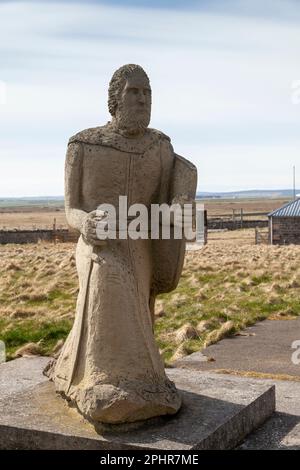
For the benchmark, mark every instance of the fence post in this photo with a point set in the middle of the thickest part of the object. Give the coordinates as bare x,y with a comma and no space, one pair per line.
54,230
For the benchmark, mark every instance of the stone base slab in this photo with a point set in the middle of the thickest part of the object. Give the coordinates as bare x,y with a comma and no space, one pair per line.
217,413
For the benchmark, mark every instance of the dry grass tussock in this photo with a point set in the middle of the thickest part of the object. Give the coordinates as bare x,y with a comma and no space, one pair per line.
224,288
38,291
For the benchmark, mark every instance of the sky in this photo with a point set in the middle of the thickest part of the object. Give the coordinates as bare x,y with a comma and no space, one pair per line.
225,79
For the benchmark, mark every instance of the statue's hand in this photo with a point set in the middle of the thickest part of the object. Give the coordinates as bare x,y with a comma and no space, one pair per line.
88,228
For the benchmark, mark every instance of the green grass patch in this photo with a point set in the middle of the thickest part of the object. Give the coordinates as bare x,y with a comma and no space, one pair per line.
19,333
261,279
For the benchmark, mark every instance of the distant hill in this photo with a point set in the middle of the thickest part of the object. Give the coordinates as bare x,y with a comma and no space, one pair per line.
58,201
47,201
252,193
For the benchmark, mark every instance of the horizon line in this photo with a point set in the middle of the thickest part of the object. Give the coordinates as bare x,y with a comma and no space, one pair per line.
197,192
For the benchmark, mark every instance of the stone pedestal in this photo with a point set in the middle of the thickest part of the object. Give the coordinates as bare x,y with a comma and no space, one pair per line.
217,413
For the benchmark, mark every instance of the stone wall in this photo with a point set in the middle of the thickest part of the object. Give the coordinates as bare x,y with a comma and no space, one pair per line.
217,224
286,230
33,236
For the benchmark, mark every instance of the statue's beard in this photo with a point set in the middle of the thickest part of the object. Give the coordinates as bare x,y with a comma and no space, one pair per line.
132,121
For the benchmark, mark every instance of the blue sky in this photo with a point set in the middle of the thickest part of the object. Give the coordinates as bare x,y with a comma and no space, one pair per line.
221,74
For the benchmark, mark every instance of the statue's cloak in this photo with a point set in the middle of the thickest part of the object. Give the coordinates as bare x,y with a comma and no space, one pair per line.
178,181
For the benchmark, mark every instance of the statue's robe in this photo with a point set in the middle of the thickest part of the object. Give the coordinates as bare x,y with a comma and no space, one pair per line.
110,365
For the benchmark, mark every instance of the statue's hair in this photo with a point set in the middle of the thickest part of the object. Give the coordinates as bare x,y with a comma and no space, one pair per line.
117,84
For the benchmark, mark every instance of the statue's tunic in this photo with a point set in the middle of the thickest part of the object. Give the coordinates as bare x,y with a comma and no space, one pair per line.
110,365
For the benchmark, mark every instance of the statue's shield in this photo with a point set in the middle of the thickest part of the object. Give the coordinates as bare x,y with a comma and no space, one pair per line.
168,255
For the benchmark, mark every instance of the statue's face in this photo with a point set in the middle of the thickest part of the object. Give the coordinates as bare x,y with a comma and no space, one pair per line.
134,104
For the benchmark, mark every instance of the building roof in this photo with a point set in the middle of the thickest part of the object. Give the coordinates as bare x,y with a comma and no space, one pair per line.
291,209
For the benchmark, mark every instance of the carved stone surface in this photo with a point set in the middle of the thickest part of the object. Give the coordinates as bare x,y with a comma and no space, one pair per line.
110,365
218,412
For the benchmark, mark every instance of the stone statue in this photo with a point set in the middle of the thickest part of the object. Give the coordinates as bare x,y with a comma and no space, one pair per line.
110,365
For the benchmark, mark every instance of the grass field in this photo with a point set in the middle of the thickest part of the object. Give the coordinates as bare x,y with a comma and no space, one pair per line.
227,285
29,219
216,207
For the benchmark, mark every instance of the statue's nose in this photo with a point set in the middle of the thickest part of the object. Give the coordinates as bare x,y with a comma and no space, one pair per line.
141,97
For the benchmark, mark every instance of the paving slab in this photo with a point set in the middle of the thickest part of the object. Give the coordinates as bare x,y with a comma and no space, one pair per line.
282,430
217,413
21,374
264,348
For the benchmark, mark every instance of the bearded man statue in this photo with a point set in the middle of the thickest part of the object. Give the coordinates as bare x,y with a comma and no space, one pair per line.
110,366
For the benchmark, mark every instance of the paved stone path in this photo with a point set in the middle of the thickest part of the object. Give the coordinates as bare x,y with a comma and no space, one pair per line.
282,430
264,348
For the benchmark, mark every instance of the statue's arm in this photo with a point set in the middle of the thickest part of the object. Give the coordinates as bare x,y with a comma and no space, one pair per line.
73,183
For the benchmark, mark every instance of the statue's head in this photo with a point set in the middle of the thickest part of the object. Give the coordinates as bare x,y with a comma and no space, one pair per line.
129,99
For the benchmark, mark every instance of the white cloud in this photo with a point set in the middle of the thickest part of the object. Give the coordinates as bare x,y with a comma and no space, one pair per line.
31,169
231,167
221,82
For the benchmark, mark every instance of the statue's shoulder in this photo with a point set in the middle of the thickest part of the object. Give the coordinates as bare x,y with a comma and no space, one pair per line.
92,135
158,134
106,136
